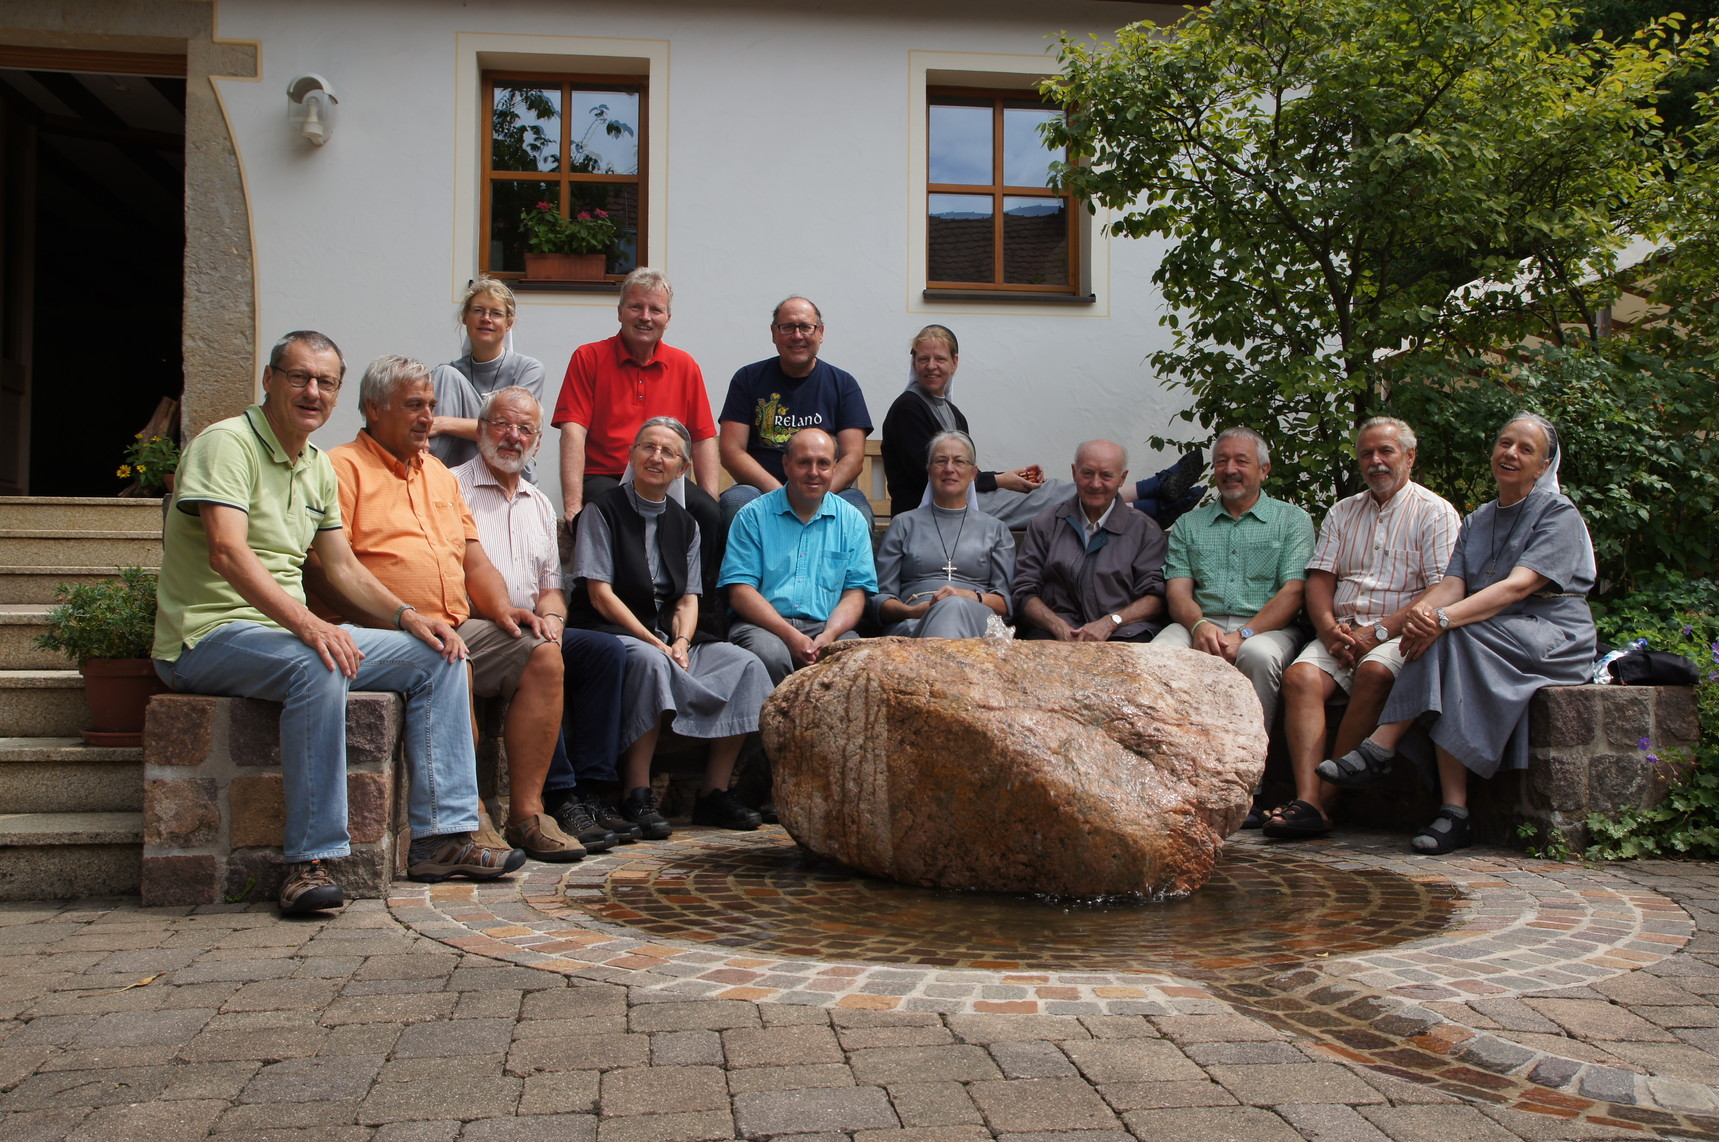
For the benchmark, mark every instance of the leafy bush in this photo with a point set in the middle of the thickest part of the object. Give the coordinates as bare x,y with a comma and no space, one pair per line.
112,618
1682,615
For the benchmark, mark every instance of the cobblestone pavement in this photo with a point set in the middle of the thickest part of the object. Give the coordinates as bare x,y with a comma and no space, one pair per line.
1547,1002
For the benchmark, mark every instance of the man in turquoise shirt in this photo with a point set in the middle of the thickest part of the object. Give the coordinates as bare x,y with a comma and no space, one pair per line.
1237,569
799,563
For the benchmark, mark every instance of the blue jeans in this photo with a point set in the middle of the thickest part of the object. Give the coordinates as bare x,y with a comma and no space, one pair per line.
248,660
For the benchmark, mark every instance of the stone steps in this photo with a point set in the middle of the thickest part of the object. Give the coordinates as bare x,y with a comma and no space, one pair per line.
64,856
71,821
21,584
63,775
20,623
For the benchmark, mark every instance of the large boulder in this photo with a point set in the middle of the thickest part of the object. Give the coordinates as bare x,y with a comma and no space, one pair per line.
1079,769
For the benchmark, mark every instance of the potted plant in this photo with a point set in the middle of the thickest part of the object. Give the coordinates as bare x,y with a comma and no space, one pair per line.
565,249
108,628
151,461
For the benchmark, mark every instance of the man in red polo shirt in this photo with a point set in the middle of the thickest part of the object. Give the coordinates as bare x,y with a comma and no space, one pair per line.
612,387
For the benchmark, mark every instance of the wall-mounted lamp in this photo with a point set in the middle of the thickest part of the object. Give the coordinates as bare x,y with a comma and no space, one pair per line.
310,107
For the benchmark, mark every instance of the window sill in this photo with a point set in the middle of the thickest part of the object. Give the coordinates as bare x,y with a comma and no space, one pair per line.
1010,295
520,285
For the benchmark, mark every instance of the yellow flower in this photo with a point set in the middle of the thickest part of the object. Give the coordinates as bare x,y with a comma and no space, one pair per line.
139,436
143,467
124,471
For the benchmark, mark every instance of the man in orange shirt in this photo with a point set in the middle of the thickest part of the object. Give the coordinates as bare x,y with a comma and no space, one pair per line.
408,524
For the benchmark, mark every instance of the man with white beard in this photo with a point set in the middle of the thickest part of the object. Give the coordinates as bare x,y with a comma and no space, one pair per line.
516,525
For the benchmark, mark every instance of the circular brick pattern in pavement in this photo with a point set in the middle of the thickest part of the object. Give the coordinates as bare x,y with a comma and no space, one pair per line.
1261,911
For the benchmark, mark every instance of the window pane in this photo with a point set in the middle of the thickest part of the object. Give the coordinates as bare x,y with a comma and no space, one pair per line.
525,128
1035,241
1026,159
960,145
621,200
605,132
960,239
507,200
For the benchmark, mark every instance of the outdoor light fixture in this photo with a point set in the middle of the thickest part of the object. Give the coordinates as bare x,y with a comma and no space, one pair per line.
310,107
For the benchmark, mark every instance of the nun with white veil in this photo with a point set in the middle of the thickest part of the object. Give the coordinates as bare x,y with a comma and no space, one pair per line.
1509,617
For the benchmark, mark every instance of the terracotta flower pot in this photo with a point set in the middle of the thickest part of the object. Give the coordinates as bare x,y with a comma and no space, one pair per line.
118,691
564,267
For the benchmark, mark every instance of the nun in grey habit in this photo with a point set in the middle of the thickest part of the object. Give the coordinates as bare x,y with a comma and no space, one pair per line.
945,567
1510,616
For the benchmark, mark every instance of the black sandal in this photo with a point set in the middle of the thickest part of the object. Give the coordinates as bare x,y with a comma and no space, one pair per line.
1354,770
1296,821
1445,834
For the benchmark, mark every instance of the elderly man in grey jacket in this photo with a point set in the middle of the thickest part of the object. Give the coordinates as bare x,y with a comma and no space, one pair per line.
1091,570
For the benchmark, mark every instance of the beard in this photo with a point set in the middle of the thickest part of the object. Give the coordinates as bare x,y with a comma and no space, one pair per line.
512,463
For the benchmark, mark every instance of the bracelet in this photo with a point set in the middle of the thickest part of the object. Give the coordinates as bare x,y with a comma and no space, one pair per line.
404,607
562,619
1196,625
678,637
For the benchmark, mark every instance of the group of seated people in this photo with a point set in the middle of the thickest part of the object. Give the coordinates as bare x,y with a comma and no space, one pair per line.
421,558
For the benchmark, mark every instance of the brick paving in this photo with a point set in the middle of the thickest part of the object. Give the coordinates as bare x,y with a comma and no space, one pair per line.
1551,1002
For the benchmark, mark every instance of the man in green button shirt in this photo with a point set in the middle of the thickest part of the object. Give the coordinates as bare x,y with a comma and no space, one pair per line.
1237,568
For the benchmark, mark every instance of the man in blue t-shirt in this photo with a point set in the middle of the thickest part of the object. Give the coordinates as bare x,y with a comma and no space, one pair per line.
772,399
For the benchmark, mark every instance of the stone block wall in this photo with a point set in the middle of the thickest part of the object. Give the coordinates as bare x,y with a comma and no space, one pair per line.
213,807
1584,754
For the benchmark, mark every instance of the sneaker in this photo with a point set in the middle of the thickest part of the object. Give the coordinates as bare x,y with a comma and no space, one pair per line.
309,888
720,807
541,838
640,807
605,814
463,854
576,820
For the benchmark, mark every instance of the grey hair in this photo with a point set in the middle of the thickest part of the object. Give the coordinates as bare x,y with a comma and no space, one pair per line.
777,312
951,434
673,425
383,378
310,339
647,279
1085,444
482,286
512,394
1262,450
1545,426
1404,432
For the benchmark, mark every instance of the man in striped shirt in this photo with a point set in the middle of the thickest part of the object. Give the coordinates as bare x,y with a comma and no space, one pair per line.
1378,551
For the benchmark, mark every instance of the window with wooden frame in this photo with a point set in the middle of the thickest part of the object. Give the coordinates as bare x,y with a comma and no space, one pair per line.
992,220
575,143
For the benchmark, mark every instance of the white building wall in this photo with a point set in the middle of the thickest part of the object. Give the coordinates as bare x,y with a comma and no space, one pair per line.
788,168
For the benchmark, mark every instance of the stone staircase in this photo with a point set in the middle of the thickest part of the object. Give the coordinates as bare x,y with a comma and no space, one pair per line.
71,819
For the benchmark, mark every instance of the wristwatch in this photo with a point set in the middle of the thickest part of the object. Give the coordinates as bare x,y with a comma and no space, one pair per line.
1246,633
1443,619
1381,633
1116,618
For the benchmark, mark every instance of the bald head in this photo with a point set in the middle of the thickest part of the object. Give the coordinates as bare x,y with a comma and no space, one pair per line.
1100,469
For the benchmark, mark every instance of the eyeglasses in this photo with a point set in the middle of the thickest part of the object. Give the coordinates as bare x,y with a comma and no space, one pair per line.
492,314
956,462
503,427
298,379
666,451
789,328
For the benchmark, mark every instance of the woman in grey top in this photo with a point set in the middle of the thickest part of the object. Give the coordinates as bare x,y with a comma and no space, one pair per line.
1510,616
637,564
945,567
487,313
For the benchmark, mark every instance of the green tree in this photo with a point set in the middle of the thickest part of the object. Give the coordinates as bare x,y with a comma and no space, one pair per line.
1352,191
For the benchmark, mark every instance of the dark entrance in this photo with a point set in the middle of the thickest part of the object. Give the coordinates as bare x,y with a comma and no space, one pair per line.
92,177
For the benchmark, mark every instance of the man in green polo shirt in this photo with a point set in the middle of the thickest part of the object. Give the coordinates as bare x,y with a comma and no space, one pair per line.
253,496
1237,568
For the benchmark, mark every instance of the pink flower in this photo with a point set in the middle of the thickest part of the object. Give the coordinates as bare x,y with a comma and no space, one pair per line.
544,206
602,214
584,217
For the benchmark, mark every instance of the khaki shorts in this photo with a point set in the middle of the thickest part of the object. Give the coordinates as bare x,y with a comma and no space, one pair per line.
498,659
1387,654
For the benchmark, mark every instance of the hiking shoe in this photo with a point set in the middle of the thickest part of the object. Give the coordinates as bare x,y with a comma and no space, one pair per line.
309,888
605,814
576,820
640,807
720,807
463,854
1182,477
541,838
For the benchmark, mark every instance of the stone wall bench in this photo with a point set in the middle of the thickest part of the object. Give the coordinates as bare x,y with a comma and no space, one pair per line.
1584,754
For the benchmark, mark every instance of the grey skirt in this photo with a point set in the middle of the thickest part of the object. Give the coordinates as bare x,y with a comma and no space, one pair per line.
719,695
